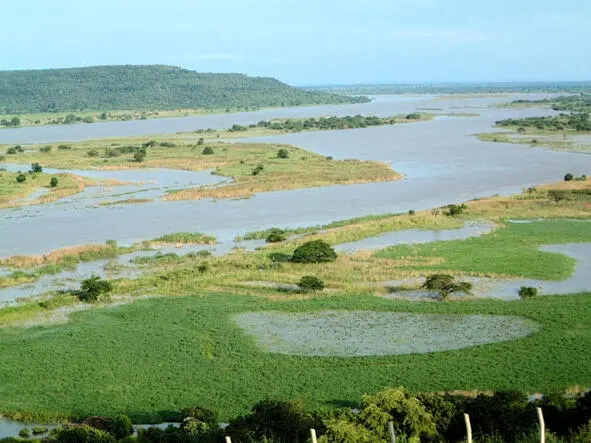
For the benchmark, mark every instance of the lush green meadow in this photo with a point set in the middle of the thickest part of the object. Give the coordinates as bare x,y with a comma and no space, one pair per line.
156,356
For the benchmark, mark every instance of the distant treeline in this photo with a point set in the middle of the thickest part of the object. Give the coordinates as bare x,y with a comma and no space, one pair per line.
574,103
573,122
457,88
151,87
326,123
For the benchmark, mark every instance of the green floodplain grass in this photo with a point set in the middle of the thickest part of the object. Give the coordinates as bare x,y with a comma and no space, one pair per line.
512,250
156,356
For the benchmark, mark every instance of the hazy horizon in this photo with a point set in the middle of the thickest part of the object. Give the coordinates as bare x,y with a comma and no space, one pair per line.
308,44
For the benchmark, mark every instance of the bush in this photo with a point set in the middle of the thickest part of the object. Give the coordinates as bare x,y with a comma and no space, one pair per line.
257,170
283,153
88,119
279,257
37,430
21,178
275,235
411,212
310,283
568,177
445,284
24,433
45,149
316,251
36,168
527,292
111,243
64,147
208,150
206,416
53,182
94,288
200,141
454,210
203,268
140,155
121,427
92,153
78,434
11,151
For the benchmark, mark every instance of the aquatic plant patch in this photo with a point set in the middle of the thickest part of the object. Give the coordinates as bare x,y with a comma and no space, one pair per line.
368,333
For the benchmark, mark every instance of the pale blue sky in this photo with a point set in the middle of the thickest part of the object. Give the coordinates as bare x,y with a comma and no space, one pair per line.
309,41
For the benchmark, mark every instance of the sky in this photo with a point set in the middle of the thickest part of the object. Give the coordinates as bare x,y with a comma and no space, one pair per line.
309,42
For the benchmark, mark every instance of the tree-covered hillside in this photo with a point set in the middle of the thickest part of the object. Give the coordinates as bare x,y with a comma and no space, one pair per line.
146,87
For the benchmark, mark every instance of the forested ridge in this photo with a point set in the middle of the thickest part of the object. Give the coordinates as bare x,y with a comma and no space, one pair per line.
147,87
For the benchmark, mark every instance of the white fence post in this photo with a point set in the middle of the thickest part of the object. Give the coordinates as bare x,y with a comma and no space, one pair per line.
391,431
542,426
228,440
468,428
313,433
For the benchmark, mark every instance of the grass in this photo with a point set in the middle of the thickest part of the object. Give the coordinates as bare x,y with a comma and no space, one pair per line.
14,194
301,170
512,250
186,238
193,353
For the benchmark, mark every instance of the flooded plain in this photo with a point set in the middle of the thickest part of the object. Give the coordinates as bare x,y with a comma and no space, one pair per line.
442,161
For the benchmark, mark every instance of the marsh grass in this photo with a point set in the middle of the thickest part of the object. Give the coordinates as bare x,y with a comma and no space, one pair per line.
186,238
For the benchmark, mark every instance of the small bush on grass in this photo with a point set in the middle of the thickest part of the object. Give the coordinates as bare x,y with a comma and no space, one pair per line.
283,153
455,210
24,433
36,168
527,292
208,150
279,257
94,289
275,235
258,170
316,251
21,178
568,177
54,182
37,430
310,283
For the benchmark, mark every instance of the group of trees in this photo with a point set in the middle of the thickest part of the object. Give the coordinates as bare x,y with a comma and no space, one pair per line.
13,122
326,123
151,87
575,122
573,103
501,417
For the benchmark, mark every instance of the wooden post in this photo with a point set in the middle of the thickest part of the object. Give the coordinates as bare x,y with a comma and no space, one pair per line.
542,426
391,431
313,433
228,440
468,428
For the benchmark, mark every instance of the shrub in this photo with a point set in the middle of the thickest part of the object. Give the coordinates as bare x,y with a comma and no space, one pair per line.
257,170
140,155
21,178
24,433
568,177
167,145
92,153
208,150
37,430
11,151
279,257
19,148
77,434
206,416
88,119
411,212
310,283
413,116
111,243
200,141
45,149
203,268
94,288
53,182
316,251
527,292
283,153
445,284
36,168
454,210
64,147
275,235
121,427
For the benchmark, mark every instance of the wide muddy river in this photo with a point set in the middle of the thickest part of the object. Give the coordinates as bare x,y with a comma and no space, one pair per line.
442,161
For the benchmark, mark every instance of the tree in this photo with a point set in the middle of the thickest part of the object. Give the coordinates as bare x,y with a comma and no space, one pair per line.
21,178
310,283
139,155
283,153
445,285
77,434
15,121
568,177
53,182
36,168
69,119
275,235
92,153
121,427
527,292
94,288
210,418
315,251
208,150
200,141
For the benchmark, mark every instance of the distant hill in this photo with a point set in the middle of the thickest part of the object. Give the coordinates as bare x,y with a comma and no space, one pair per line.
147,87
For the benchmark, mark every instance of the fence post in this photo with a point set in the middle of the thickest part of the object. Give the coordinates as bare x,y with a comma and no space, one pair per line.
228,439
391,431
542,426
468,428
313,433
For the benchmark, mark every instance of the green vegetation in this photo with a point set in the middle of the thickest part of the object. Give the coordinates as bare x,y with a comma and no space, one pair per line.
315,251
94,289
186,237
573,103
445,285
310,283
275,235
146,87
527,292
563,122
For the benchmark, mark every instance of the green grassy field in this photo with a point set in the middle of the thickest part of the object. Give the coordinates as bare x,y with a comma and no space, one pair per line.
156,356
512,250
